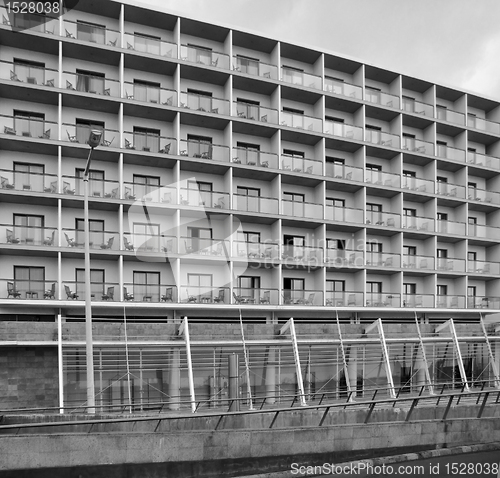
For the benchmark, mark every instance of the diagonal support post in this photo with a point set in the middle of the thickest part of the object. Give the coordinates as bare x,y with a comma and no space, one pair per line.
424,356
494,366
184,330
344,360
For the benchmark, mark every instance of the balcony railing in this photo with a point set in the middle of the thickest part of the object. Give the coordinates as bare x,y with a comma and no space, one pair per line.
383,139
205,57
28,181
205,150
98,85
380,98
483,267
28,235
447,152
418,223
450,227
483,160
343,171
382,259
336,128
417,184
450,301
418,262
345,89
450,116
344,258
384,179
76,133
255,204
91,33
302,209
205,295
31,22
388,219
449,189
149,94
481,195
72,186
302,297
386,299
300,78
256,250
99,240
28,289
417,146
150,193
99,291
412,106
28,127
253,157
483,231
255,112
488,302
26,73
450,265
483,124
249,296
304,254
344,299
207,199
309,123
301,165
255,67
418,300
344,214
151,46
204,103
204,246
147,241
135,292
149,142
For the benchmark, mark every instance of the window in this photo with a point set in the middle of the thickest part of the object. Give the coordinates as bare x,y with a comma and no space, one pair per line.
199,193
372,94
91,32
200,285
373,253
147,286
374,293
471,261
96,231
96,182
248,287
335,292
409,288
30,21
335,249
29,176
442,148
442,289
144,185
471,188
374,173
147,236
409,141
90,81
442,216
83,128
442,259
247,64
147,43
293,110
199,100
199,146
251,243
293,290
471,295
199,54
293,160
335,167
408,103
472,225
248,199
199,238
334,85
29,228
374,246
97,283
249,109
335,202
373,133
409,179
248,153
293,75
293,204
409,256
293,246
442,185
373,213
146,139
441,111
146,91
30,280
409,218
28,123
30,71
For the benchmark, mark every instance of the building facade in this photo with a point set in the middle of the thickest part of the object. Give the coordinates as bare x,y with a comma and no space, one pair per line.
238,178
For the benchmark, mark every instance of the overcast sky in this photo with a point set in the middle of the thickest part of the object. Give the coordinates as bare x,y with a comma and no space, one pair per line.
451,42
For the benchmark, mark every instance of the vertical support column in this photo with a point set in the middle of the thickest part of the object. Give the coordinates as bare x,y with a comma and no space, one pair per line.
184,330
494,366
425,364
233,367
344,361
270,376
174,382
247,365
60,363
352,371
300,383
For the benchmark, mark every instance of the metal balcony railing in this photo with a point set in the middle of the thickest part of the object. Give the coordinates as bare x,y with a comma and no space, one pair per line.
255,67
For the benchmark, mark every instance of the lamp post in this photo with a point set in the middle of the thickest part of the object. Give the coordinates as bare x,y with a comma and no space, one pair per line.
93,142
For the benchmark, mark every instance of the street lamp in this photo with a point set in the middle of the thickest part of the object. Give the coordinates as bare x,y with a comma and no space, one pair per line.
93,142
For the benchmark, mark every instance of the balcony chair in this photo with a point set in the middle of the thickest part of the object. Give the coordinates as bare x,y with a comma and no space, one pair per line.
107,92
5,20
12,292
220,298
108,142
10,237
168,295
4,183
109,244
189,248
167,198
266,297
169,247
69,34
69,294
220,204
9,130
128,194
218,250
45,134
13,76
128,245
128,145
69,85
126,295
71,242
71,137
50,83
239,299
110,294
112,42
351,299
50,293
192,299
50,239
67,189
165,149
130,46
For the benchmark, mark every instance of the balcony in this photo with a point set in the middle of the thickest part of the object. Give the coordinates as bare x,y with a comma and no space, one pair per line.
343,171
28,289
450,116
205,295
342,130
345,89
97,85
262,296
28,127
418,300
451,190
450,227
79,133
24,181
25,73
382,139
255,67
32,22
302,209
74,186
204,103
134,292
416,107
255,112
387,299
481,195
483,267
255,204
483,160
344,299
150,193
254,157
302,297
388,219
256,250
344,258
447,152
28,235
344,214
382,259
417,184
419,262
204,56
303,254
483,231
207,199
151,46
204,150
148,240
149,94
380,178
300,78
99,240
148,142
418,223
417,146
380,98
483,125
298,164
483,302
450,301
99,291
309,123
91,33
450,265
200,246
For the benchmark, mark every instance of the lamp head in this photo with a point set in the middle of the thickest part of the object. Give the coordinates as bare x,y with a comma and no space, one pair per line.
94,138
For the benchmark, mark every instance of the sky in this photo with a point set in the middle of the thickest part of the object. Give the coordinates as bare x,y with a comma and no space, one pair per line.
451,42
